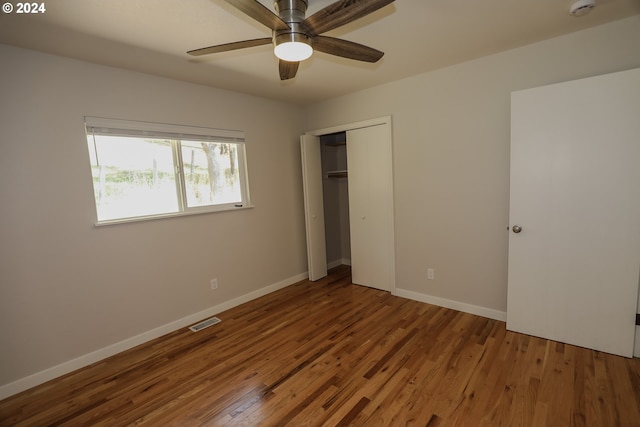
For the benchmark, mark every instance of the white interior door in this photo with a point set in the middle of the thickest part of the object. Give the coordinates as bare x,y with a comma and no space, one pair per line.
370,165
313,206
574,267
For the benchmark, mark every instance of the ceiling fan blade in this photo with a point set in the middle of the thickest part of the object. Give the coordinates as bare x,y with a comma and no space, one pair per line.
288,69
346,49
340,13
230,46
260,13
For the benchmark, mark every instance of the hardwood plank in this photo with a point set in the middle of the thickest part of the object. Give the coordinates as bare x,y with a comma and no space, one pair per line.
333,353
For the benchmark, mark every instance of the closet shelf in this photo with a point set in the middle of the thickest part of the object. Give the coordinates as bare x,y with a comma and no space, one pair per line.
336,143
337,174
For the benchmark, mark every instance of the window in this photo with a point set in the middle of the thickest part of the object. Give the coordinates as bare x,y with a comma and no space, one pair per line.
144,170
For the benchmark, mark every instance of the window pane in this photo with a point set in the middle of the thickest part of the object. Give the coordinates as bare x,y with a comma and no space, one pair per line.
211,173
132,176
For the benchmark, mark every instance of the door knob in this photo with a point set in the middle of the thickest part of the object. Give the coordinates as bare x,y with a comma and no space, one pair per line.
516,229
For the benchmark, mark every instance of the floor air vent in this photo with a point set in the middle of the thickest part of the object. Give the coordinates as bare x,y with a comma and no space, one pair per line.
205,324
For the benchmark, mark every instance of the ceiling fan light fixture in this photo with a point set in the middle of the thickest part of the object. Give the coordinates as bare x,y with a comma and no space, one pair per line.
293,47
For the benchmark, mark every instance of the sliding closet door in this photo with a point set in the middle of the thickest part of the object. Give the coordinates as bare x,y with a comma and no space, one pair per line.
313,206
369,159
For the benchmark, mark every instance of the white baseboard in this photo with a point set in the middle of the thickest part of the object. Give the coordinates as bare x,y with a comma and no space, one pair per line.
454,305
95,356
337,262
333,264
479,311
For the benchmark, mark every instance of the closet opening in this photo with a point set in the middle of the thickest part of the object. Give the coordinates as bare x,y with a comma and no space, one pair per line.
335,189
347,179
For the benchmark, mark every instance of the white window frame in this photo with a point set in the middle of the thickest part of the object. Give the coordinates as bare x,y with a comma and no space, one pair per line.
176,133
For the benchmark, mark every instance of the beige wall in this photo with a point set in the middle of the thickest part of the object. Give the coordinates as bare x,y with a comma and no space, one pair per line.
68,288
451,156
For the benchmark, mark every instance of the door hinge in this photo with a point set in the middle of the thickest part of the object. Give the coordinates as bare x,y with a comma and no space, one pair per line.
638,319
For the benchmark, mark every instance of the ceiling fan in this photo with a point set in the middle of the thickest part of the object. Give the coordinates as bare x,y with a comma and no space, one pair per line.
294,38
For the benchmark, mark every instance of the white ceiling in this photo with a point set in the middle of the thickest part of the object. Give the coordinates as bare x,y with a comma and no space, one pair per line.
153,36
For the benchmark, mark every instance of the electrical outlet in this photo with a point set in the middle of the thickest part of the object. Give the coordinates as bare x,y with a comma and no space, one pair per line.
431,275
214,284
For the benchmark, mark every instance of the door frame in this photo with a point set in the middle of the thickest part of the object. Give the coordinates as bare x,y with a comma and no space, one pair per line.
386,121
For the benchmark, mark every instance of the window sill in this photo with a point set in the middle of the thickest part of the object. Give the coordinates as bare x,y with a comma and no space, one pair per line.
169,215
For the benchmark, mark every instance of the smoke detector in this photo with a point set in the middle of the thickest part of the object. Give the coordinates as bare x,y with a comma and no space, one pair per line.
582,7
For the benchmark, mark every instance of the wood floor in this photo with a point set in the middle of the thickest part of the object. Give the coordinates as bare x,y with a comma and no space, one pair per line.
336,354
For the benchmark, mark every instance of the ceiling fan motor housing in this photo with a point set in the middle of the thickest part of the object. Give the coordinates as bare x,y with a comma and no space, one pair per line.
293,13
291,10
